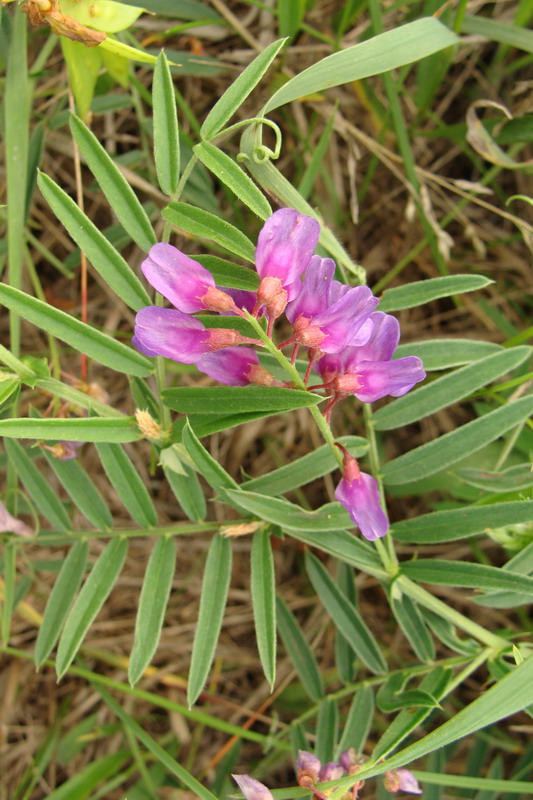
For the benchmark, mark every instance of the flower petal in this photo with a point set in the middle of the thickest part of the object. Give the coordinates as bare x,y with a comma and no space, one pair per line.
360,497
285,245
229,366
177,277
378,379
170,333
313,292
252,789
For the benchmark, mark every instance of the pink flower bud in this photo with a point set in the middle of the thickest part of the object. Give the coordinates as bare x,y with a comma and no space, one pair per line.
252,789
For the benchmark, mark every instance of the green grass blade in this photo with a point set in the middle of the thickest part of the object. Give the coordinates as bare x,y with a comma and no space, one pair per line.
263,585
83,783
380,54
38,488
107,351
166,136
239,90
299,652
59,602
90,600
117,190
232,176
358,721
345,616
344,655
155,592
326,729
503,32
215,587
107,261
449,449
449,389
205,225
128,484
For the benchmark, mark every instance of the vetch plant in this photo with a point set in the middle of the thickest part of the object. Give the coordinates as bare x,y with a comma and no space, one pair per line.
255,331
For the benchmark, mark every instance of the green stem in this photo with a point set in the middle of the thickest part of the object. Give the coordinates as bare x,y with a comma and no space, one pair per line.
424,598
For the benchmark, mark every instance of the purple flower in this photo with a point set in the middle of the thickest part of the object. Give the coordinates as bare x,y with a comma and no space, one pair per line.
358,493
252,789
232,366
340,324
367,370
183,281
313,296
350,760
285,245
173,334
330,771
240,297
401,780
308,768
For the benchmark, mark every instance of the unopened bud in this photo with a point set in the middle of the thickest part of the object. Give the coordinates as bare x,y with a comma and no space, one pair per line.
260,375
306,334
217,300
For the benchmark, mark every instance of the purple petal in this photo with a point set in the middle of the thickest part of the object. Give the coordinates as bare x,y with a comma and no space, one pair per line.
408,782
229,366
307,762
8,523
252,789
382,343
330,771
381,378
170,333
342,320
177,277
242,298
285,245
314,291
360,497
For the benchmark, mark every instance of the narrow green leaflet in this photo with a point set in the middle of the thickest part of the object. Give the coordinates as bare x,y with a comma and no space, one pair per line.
237,399
155,592
450,448
326,729
344,546
128,484
299,652
117,190
412,624
84,338
188,492
8,387
459,523
292,517
380,54
344,655
226,273
448,389
206,424
60,599
392,695
38,488
305,469
263,584
153,747
447,634
419,292
468,575
213,472
85,781
93,429
513,479
239,90
509,695
231,175
358,721
81,491
345,616
90,600
165,121
105,259
215,587
205,225
77,397
440,354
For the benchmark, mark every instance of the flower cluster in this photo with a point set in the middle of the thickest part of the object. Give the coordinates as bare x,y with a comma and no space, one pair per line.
348,342
309,772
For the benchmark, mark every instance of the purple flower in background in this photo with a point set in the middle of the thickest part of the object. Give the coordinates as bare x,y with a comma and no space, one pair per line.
401,780
252,789
183,281
330,771
9,524
308,768
170,333
358,493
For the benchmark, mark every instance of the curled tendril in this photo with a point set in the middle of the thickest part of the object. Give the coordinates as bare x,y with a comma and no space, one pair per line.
260,152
